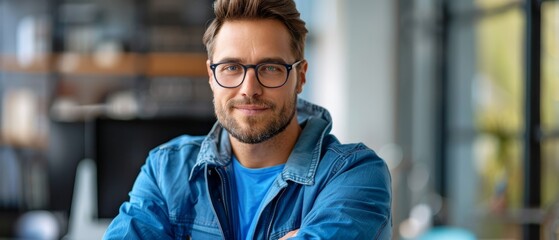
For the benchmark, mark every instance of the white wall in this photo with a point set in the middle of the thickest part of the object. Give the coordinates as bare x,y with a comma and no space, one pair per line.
352,69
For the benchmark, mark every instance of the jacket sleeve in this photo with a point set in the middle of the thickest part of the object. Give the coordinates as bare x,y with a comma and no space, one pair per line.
355,203
145,215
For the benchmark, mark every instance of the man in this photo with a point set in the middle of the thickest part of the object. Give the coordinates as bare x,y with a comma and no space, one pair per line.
269,169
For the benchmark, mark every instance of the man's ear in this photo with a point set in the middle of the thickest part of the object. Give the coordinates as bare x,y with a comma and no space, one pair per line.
301,75
210,74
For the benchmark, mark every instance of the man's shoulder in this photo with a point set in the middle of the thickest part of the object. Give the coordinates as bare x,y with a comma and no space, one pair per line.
350,154
177,155
353,158
346,149
181,147
181,142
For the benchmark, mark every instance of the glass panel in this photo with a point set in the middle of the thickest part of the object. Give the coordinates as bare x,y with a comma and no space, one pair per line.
550,102
498,162
498,117
550,168
498,97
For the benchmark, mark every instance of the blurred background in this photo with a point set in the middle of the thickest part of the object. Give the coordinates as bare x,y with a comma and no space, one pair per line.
461,98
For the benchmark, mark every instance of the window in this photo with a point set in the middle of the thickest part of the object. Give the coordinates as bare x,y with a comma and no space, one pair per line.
477,103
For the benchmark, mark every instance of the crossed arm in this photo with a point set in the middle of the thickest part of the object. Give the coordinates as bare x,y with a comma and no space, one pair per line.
354,204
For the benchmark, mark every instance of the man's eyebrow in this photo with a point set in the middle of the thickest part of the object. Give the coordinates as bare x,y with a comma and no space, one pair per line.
263,60
230,59
272,60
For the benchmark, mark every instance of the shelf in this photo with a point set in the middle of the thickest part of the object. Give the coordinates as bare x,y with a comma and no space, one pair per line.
104,65
10,63
174,64
127,64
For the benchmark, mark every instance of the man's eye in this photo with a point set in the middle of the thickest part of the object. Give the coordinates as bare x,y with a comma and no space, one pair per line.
231,68
271,68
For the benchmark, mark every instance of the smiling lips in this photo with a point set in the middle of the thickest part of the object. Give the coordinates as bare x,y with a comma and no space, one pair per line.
251,109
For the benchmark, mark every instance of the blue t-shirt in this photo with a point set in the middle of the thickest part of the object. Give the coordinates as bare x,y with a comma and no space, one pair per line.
252,184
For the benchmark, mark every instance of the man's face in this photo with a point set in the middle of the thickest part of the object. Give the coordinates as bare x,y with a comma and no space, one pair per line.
251,112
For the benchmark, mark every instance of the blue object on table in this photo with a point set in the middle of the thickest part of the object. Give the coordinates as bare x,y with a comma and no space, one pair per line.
444,233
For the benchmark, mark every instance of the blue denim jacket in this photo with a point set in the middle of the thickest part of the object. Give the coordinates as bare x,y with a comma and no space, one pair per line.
327,190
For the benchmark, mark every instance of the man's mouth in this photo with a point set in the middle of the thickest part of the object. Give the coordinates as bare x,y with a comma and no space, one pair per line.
250,109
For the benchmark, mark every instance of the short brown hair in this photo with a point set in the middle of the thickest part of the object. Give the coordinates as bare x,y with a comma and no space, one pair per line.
284,11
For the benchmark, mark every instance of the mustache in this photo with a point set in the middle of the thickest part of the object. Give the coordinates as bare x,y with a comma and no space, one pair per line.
251,101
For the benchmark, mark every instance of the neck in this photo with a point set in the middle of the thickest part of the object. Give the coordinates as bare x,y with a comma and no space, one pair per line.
271,152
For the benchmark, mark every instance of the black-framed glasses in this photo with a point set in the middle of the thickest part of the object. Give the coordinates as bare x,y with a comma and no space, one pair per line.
270,75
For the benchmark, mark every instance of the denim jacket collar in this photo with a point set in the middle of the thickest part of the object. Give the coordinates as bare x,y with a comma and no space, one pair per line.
303,161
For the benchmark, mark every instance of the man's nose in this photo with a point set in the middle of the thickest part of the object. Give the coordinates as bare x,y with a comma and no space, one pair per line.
250,86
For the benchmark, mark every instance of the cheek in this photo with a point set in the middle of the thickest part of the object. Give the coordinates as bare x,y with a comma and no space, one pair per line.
286,99
221,96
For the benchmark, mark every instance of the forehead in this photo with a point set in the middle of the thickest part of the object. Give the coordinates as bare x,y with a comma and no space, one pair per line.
251,40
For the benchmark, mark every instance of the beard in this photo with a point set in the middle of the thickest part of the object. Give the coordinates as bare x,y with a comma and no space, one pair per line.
260,128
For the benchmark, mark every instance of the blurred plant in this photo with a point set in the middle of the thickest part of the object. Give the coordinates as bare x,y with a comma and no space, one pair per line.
550,100
499,104
498,100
